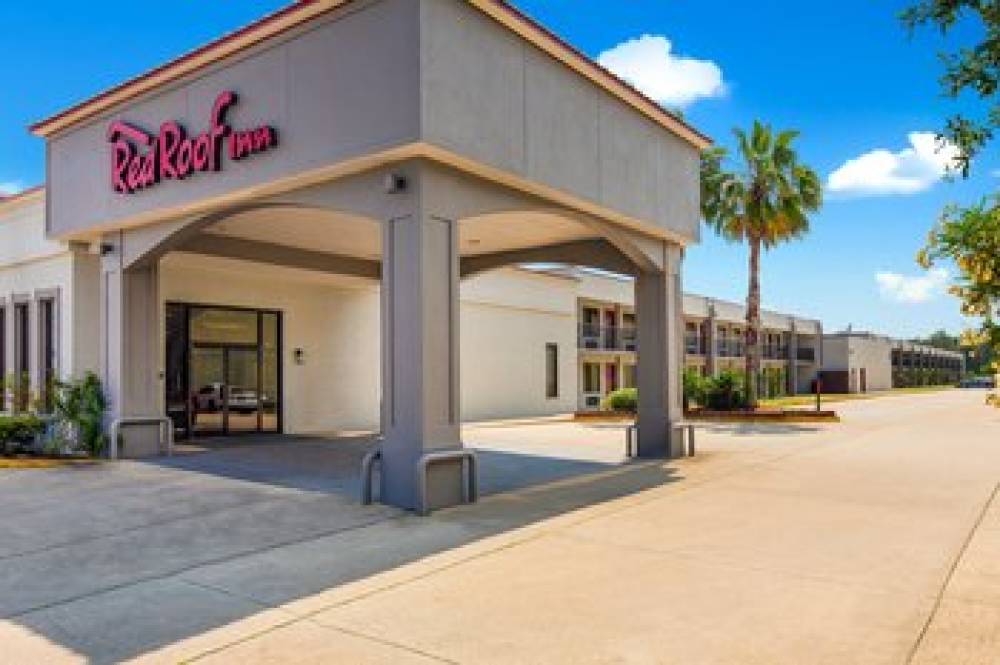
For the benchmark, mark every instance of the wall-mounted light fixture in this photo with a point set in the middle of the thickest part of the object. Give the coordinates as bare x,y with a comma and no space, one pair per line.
299,355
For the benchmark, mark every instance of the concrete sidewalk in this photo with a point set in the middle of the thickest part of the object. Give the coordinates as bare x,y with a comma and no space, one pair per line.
873,541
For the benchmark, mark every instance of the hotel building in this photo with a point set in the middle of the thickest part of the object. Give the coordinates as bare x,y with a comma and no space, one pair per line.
317,223
858,361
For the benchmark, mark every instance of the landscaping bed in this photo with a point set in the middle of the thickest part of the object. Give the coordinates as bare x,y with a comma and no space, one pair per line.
605,415
764,415
34,462
736,415
720,398
63,428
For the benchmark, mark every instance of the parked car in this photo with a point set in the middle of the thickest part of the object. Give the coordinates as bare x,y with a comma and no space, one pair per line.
209,399
978,382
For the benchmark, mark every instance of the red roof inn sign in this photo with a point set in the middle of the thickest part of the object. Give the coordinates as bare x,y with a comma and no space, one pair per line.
139,160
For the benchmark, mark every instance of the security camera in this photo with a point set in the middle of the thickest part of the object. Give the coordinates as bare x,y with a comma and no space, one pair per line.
395,183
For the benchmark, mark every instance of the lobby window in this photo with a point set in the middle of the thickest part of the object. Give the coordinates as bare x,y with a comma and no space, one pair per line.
591,378
551,371
47,345
22,357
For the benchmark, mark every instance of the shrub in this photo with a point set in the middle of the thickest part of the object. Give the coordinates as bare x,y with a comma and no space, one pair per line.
725,392
80,405
695,388
19,431
623,399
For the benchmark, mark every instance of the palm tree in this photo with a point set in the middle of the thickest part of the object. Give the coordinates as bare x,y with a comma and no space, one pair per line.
763,202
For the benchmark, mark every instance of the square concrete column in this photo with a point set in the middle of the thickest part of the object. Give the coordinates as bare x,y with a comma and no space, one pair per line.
793,359
420,359
659,357
130,350
712,352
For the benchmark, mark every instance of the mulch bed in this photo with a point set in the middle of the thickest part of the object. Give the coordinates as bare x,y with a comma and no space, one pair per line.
757,416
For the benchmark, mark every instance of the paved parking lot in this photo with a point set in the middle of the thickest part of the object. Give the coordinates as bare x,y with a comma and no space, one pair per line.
872,541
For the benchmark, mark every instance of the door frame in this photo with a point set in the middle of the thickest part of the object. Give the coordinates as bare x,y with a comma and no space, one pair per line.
190,344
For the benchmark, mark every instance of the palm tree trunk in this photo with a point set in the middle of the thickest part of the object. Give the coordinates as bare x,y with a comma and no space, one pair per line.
752,350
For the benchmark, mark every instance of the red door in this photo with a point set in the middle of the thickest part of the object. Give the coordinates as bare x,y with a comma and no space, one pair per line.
611,376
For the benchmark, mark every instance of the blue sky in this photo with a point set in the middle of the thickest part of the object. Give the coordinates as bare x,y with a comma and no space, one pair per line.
845,74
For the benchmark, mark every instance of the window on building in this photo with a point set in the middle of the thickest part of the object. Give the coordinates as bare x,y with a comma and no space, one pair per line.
22,356
590,327
591,378
47,346
551,370
691,342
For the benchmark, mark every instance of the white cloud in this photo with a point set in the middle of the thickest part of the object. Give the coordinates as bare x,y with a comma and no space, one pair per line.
647,63
10,188
907,171
912,288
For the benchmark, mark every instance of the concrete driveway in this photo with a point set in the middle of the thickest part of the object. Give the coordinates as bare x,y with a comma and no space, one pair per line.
873,541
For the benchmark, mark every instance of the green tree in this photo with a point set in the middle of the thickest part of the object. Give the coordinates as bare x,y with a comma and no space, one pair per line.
970,238
939,339
763,202
972,68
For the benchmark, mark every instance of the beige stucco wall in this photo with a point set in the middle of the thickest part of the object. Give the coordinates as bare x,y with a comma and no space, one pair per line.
334,321
26,279
507,318
32,265
854,353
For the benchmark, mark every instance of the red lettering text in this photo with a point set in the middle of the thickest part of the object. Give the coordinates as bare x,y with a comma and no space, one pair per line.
172,155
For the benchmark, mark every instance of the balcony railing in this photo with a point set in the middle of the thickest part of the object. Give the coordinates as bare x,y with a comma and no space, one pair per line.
729,348
774,352
692,345
606,338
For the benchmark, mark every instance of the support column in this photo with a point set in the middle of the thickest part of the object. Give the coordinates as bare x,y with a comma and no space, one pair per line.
420,359
130,333
660,356
712,353
793,361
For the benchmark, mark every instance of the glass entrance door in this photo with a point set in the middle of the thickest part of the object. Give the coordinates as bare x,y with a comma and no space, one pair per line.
227,361
242,390
227,396
208,386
